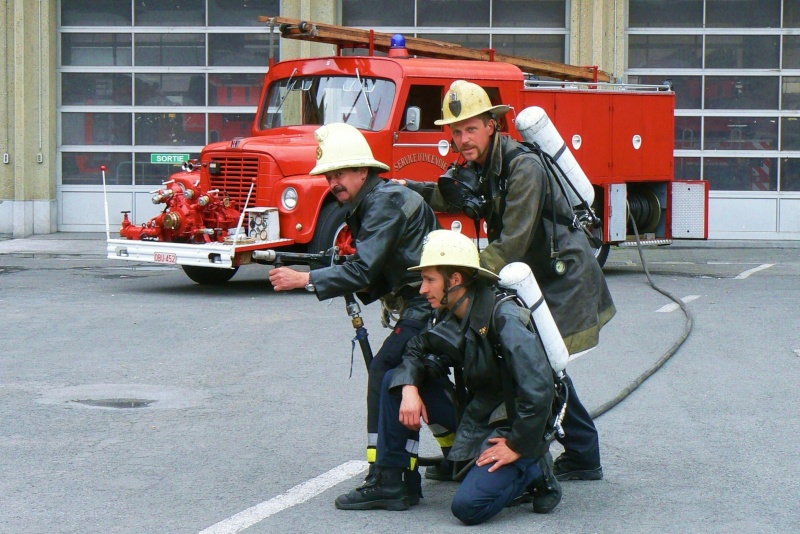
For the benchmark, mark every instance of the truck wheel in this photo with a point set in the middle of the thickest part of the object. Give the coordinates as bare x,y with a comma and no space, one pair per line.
209,276
600,253
331,230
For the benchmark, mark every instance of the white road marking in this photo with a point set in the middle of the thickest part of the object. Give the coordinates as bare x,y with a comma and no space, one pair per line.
748,272
298,494
579,354
797,351
674,305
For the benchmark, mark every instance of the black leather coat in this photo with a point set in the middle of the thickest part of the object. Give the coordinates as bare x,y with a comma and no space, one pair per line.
484,415
389,223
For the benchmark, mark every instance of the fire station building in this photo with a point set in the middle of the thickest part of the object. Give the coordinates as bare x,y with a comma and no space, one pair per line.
139,86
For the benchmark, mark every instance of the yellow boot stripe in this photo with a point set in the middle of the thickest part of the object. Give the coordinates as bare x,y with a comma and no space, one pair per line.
446,441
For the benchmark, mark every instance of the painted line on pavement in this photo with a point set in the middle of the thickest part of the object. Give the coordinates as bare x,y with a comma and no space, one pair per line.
745,274
298,494
581,353
671,307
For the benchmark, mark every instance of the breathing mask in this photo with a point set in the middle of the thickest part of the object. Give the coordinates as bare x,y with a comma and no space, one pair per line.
460,188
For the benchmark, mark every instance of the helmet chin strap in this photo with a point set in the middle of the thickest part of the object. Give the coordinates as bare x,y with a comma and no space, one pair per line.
447,290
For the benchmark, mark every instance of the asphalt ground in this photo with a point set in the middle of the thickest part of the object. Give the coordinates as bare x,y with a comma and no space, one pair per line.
247,418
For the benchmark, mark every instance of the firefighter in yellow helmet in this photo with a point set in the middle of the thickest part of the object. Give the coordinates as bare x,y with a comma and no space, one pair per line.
500,445
528,218
388,223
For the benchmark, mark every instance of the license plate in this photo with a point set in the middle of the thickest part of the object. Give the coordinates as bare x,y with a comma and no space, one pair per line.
164,257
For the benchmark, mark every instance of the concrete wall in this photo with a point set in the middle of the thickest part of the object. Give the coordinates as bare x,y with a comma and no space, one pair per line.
598,34
28,117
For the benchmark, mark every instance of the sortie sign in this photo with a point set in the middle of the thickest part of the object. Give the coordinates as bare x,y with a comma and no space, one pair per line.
168,158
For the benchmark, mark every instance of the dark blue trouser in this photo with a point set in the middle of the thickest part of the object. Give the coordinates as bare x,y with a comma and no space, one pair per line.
581,441
482,494
388,357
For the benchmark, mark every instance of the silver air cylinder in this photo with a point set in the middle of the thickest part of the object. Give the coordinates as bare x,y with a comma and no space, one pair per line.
535,127
518,276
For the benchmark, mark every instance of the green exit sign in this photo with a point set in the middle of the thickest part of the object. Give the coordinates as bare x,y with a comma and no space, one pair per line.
168,159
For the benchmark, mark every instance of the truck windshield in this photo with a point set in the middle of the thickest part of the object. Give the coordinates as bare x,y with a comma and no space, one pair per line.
361,102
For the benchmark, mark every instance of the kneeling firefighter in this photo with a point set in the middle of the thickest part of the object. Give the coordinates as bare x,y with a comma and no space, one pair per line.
529,218
500,445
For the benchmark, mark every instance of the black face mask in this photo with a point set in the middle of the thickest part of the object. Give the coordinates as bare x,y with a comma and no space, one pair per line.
460,188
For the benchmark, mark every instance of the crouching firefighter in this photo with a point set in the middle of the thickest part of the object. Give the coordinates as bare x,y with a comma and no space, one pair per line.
500,448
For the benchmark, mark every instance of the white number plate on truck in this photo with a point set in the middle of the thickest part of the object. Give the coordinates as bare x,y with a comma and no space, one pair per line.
164,257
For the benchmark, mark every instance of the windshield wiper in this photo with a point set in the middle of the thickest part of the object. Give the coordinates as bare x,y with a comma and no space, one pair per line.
289,86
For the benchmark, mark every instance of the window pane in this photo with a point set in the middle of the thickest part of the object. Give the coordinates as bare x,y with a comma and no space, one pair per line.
741,92
740,133
688,89
95,13
741,52
100,89
83,168
234,89
171,129
546,47
741,174
687,168
241,13
170,49
170,90
170,13
467,40
687,133
450,13
791,51
224,126
791,14
241,49
790,174
672,14
96,129
96,49
378,13
665,51
529,13
156,174
790,92
743,14
790,133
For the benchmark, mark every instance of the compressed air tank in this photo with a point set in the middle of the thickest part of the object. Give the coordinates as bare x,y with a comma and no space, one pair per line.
535,127
518,276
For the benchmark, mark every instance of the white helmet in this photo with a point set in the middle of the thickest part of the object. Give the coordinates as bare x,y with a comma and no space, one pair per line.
342,146
448,248
465,100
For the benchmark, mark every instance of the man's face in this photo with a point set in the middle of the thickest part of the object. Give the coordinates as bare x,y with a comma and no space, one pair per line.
432,287
473,138
346,183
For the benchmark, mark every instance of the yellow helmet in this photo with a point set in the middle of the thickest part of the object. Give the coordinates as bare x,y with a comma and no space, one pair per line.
342,146
465,100
448,248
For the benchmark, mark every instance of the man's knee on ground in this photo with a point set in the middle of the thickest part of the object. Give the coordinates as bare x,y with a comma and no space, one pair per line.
465,511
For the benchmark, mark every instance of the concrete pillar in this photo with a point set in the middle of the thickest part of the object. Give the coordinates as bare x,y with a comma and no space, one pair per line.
28,117
597,35
325,11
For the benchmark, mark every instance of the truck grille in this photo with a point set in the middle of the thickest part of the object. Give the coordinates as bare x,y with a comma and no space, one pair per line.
238,172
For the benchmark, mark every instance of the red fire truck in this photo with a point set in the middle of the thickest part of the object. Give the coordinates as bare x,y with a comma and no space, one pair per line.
248,195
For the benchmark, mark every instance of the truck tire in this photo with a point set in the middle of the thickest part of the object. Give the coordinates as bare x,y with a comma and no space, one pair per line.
330,228
209,276
601,252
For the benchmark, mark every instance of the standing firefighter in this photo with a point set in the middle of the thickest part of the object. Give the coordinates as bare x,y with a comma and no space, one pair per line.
489,341
529,219
389,223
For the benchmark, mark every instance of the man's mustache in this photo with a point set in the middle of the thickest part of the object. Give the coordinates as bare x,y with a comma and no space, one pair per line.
337,189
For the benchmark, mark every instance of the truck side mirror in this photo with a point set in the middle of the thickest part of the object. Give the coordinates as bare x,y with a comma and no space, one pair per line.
412,118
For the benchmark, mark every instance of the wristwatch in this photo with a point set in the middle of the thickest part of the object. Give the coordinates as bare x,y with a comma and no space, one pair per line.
310,286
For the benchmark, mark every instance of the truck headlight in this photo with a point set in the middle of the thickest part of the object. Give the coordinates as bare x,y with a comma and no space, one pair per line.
289,198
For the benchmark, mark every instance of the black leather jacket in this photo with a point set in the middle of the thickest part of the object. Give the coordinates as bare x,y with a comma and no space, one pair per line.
484,415
389,223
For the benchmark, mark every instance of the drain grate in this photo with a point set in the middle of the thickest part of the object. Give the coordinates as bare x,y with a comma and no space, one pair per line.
116,403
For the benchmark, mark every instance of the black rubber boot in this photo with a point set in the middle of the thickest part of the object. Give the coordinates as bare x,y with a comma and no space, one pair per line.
442,471
387,490
546,491
413,482
565,468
